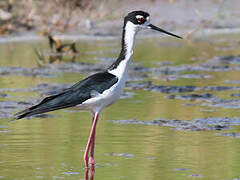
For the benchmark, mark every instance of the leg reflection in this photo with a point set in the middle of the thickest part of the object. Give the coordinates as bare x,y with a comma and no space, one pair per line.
89,173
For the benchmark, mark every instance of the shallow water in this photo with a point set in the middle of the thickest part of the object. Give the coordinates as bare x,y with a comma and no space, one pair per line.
169,80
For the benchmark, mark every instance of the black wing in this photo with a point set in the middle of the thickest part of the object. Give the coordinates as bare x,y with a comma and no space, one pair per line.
73,96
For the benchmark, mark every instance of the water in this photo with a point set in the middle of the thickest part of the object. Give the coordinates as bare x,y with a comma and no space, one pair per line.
53,147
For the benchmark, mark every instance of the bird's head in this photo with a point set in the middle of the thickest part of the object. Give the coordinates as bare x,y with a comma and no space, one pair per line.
139,20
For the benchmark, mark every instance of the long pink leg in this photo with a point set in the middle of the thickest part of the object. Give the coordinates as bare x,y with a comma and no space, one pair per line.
90,140
91,158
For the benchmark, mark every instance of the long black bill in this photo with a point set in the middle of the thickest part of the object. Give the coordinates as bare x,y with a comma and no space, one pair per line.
163,31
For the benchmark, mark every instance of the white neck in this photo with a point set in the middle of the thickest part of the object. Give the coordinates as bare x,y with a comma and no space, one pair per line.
123,62
129,39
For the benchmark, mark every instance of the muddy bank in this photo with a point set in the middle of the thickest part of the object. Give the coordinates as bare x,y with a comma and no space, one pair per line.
105,18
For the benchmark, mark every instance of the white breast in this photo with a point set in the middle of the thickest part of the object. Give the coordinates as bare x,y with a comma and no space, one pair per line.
108,97
111,95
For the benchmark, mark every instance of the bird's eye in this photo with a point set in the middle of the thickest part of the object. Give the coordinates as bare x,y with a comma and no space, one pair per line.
140,19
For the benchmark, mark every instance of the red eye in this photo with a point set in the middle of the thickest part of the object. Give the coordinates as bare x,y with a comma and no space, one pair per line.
140,20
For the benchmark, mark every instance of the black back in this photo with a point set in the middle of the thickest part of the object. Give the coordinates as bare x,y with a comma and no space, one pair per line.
74,95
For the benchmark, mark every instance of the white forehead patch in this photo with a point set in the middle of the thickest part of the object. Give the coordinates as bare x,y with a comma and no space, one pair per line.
139,16
147,20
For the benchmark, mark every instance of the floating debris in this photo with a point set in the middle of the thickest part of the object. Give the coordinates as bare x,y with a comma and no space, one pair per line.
50,70
195,176
235,95
180,169
146,85
227,59
105,59
127,95
177,70
195,125
221,88
119,154
3,130
222,121
71,173
19,71
232,81
223,103
3,95
174,89
205,96
184,76
231,134
149,86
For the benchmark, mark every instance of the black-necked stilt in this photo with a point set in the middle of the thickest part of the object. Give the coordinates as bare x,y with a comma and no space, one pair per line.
101,89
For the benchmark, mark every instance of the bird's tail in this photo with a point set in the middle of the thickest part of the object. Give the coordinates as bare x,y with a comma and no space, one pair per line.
26,113
46,105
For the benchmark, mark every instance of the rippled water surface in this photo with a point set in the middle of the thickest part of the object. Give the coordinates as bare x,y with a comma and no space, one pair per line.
180,111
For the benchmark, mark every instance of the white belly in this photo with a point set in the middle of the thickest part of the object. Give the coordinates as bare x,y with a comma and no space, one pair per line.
108,97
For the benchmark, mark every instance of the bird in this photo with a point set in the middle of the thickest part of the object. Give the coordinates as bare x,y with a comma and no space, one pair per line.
102,89
59,49
57,45
54,42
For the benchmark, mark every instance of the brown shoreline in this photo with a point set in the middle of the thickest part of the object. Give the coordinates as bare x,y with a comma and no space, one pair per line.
106,18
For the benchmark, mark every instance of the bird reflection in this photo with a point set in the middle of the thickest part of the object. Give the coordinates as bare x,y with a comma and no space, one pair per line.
89,173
